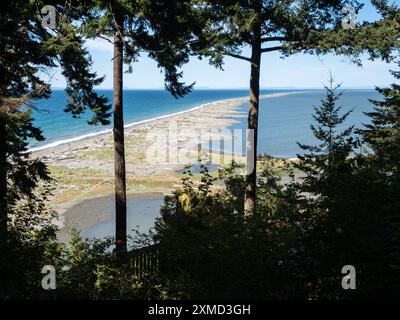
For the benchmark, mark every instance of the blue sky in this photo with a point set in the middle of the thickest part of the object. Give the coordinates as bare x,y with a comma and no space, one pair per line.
298,71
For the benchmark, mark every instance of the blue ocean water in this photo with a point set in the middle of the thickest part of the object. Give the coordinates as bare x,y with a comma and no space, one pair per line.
283,120
286,120
139,105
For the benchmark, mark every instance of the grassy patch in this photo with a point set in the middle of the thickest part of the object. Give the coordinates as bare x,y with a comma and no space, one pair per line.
105,154
63,172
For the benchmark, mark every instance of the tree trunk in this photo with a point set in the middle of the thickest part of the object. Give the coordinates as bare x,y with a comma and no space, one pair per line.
3,156
3,176
252,133
119,143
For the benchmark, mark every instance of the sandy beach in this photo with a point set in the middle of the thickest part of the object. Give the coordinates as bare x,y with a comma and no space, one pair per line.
156,151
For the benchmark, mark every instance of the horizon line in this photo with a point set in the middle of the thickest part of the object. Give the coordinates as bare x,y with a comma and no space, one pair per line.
237,88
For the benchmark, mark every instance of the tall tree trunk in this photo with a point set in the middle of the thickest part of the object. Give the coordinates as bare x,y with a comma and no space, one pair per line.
3,175
252,133
119,143
3,155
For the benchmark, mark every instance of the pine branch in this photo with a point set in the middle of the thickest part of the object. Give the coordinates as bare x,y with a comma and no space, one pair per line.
269,39
276,48
234,55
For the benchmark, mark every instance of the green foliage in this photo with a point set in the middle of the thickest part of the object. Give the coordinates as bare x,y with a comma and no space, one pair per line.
327,197
326,162
340,212
351,208
76,62
29,48
31,241
162,29
379,39
23,173
95,272
289,27
313,27
31,244
218,253
383,134
28,52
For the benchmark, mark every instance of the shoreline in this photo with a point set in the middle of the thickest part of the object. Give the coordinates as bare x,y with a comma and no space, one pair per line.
106,131
84,169
75,216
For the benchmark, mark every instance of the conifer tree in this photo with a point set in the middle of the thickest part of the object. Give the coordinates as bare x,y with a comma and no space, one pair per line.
382,137
158,28
352,200
326,197
27,49
29,53
323,163
383,133
309,26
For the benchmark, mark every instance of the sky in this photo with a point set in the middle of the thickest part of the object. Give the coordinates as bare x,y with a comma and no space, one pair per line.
297,71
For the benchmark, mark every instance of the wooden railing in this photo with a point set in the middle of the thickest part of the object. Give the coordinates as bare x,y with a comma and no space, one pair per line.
144,261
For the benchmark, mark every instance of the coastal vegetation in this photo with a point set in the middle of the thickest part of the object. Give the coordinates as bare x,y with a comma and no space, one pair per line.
282,232
289,27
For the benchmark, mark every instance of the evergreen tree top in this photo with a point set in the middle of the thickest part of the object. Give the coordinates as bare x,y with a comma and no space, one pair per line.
327,160
161,29
383,133
294,26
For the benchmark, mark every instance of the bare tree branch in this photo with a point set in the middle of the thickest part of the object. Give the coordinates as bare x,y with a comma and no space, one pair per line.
234,55
272,49
105,38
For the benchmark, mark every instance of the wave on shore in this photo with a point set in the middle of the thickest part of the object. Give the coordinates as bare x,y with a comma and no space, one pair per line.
136,123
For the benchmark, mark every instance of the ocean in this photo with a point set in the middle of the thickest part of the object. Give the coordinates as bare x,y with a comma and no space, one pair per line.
283,120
